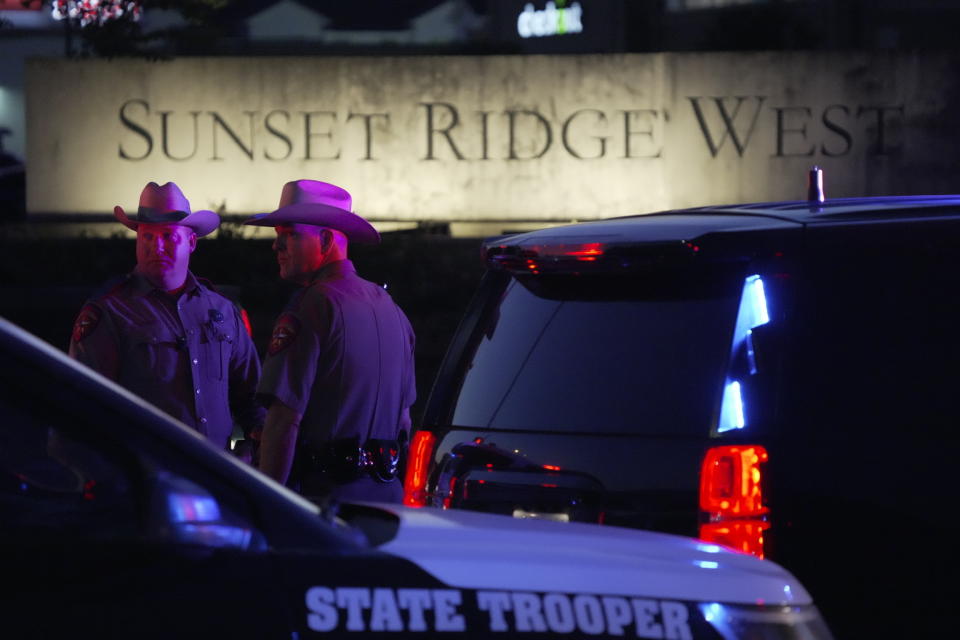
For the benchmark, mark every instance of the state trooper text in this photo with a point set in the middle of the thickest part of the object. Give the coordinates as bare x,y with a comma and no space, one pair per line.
381,609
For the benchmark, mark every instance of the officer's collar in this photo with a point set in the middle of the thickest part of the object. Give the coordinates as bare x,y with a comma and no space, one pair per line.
142,286
332,270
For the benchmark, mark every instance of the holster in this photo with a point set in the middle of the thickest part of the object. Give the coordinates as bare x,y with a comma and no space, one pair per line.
345,460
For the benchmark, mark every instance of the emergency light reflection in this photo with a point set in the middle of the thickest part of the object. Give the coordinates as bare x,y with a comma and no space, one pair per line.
190,508
731,411
752,313
712,611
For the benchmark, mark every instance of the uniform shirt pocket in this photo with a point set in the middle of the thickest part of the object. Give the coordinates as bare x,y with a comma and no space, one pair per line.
153,351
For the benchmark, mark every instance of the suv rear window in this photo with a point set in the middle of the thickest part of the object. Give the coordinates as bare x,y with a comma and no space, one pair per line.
648,352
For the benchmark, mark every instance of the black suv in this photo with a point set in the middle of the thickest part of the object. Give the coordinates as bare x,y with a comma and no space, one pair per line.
780,378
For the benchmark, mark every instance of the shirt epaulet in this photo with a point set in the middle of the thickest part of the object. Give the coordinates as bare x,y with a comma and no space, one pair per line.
110,287
293,304
207,284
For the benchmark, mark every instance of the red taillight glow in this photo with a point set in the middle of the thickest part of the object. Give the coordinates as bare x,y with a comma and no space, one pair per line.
448,499
415,483
587,252
246,322
731,497
745,535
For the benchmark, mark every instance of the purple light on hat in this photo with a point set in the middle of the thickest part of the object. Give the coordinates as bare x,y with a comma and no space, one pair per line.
314,191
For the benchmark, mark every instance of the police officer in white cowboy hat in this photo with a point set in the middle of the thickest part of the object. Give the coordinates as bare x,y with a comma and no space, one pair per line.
338,377
165,334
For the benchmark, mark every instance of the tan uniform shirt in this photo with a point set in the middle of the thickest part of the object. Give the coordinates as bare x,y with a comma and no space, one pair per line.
342,356
190,355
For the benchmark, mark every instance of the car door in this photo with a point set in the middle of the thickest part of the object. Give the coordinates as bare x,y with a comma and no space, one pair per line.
102,537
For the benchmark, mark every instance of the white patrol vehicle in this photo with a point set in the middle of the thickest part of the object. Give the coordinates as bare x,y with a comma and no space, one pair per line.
116,521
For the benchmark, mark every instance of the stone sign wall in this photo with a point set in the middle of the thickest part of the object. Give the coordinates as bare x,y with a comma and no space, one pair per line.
532,138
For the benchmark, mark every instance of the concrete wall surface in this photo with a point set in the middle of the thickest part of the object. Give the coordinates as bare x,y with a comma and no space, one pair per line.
459,138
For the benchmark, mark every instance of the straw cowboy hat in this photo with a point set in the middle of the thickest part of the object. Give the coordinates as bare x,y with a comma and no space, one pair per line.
168,205
321,204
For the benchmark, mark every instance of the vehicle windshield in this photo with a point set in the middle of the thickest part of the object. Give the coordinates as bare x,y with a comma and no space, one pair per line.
627,354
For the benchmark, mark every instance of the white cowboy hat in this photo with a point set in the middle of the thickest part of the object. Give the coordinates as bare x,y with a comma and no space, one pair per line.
321,204
168,205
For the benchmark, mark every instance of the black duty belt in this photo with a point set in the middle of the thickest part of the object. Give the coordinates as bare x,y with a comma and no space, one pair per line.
346,460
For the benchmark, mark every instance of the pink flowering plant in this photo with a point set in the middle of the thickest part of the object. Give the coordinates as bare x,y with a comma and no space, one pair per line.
95,12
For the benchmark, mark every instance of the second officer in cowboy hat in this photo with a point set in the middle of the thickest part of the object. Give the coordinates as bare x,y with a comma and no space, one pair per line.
338,375
165,334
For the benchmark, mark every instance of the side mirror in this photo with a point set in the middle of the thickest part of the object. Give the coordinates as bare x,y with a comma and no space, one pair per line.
182,512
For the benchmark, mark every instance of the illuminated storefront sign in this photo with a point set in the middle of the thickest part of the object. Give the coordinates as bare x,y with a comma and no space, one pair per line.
484,138
553,20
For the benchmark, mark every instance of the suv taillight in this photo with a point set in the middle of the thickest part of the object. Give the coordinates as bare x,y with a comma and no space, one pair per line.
731,497
418,466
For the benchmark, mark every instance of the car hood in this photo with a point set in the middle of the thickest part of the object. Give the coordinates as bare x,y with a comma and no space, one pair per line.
476,550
